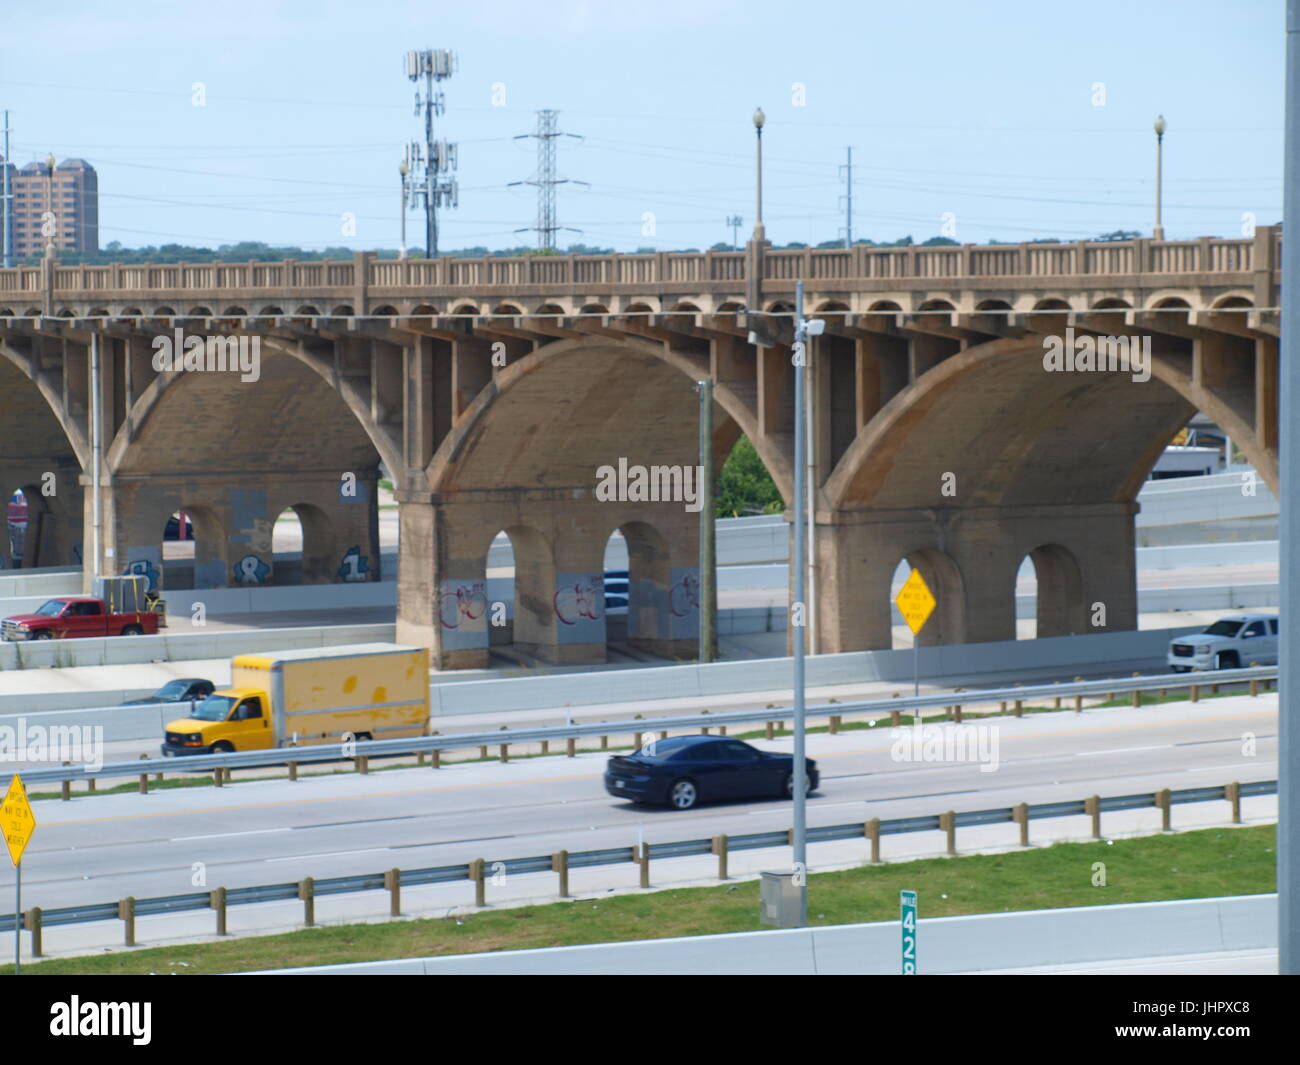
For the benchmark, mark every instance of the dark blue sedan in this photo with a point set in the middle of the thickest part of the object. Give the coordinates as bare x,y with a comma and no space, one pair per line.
685,770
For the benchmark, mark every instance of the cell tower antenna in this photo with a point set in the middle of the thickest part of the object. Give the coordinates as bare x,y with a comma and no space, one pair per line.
429,179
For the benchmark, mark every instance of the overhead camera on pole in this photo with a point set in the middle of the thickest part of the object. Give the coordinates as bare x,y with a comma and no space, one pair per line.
424,181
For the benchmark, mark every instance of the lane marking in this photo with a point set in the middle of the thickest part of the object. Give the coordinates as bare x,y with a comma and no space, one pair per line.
1124,750
327,854
226,835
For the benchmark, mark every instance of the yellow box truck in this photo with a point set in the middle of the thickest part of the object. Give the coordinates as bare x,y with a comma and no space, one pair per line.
317,695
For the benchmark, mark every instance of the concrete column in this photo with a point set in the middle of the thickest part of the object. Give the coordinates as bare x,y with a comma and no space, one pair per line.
417,616
449,601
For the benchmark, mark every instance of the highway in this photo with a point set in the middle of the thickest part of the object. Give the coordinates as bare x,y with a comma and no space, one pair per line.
100,848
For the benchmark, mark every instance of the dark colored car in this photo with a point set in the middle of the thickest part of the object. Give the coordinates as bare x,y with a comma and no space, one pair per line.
684,770
616,592
181,690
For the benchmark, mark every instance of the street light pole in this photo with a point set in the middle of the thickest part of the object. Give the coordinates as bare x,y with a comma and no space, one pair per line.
803,331
708,595
759,119
1159,232
1288,754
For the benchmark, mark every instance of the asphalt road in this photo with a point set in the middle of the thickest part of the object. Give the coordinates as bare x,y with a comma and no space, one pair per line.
269,831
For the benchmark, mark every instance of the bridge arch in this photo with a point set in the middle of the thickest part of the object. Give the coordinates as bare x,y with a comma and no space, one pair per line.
239,452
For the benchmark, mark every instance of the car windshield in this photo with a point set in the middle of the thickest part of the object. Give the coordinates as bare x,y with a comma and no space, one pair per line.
1223,628
52,609
213,708
173,692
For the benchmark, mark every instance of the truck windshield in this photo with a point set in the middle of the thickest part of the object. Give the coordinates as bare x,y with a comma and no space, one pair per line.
1223,628
52,609
213,708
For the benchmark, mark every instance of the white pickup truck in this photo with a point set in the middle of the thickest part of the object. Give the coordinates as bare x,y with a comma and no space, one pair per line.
1230,643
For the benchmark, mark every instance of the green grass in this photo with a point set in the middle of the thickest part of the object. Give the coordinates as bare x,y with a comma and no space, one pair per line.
1199,864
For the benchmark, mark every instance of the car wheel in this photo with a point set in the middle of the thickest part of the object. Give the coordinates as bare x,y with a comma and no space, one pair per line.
1226,660
44,634
682,794
222,747
133,630
789,785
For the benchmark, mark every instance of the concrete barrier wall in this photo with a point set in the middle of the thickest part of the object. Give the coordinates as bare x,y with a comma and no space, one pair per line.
125,650
44,582
478,691
972,944
1030,659
1241,553
1204,499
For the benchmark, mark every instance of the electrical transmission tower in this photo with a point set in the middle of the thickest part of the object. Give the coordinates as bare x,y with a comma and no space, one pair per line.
426,164
545,180
846,173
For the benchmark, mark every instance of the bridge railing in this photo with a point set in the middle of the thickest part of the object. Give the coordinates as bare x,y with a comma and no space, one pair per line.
1081,258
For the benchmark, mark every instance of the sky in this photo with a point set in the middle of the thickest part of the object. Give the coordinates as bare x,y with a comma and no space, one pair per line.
1008,120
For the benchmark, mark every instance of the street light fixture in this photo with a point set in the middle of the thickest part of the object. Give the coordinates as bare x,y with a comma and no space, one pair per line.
1159,126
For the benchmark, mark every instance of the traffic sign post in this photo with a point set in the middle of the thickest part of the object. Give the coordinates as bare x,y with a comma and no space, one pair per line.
916,603
18,824
907,914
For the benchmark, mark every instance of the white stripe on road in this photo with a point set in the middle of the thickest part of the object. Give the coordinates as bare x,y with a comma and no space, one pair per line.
328,854
227,835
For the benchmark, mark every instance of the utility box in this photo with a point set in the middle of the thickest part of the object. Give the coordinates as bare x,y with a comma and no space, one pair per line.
779,900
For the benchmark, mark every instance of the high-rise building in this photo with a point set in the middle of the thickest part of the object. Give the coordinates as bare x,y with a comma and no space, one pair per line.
70,192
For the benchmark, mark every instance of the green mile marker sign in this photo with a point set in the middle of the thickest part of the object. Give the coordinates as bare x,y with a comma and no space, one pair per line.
907,912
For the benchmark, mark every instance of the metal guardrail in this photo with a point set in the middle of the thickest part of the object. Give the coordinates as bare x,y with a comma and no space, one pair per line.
366,749
35,919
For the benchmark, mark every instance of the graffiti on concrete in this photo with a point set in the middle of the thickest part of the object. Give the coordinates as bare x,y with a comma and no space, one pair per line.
355,566
143,567
684,596
251,570
460,603
584,598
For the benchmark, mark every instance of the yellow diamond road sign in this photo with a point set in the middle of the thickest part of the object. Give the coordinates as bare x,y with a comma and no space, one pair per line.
16,819
915,602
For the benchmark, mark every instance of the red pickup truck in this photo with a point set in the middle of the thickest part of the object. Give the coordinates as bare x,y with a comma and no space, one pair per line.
76,615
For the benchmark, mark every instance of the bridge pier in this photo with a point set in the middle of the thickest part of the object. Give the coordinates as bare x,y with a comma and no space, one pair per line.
969,557
233,517
449,598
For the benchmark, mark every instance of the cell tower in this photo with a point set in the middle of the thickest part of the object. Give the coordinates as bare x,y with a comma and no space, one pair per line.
427,163
7,246
545,179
